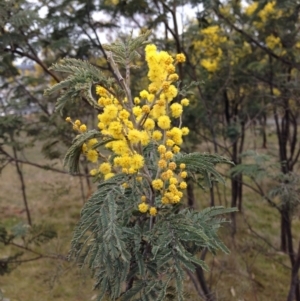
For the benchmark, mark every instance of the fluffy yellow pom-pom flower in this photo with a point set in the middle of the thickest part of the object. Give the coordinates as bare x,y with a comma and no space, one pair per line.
105,168
185,102
176,110
185,131
137,161
183,174
93,172
161,149
180,57
143,207
164,122
183,185
108,176
77,122
169,155
156,135
172,165
144,94
134,136
82,128
173,180
157,184
149,124
153,211
162,163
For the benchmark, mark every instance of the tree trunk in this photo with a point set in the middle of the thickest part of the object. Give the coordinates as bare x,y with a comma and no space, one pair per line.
294,285
190,194
209,296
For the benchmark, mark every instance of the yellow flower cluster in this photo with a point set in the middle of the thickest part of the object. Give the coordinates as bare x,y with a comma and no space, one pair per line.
250,9
131,124
77,125
273,42
269,11
210,47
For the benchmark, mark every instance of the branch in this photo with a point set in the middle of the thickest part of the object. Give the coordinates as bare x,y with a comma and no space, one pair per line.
45,167
35,59
267,50
40,255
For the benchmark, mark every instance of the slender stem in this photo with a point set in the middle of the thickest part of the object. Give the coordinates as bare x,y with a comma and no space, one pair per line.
23,187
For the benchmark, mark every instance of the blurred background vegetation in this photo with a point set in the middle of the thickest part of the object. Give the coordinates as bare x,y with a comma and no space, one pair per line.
245,57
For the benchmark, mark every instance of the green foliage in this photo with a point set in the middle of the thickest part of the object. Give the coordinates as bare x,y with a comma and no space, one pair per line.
71,159
258,166
23,238
79,84
133,255
125,52
116,242
204,165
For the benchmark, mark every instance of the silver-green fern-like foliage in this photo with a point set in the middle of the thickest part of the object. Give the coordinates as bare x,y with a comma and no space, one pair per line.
134,257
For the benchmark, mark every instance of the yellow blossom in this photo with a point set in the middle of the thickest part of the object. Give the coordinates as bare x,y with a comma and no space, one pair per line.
273,42
156,135
176,110
171,69
82,128
162,163
149,124
182,166
108,176
161,149
144,94
169,155
136,100
185,102
185,131
111,110
145,109
143,207
165,85
164,122
123,114
173,180
77,122
145,138
101,91
92,155
172,165
137,161
137,110
180,57
183,185
173,77
209,65
153,211
134,136
157,184
105,168
68,119
170,142
183,174
84,148
120,147
165,200
93,172
176,149
250,9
